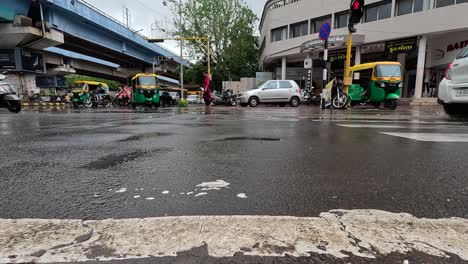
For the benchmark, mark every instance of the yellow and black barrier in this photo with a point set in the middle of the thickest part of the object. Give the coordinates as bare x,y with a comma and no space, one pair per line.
45,105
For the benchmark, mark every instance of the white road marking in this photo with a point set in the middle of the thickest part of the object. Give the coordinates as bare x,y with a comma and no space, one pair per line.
217,185
165,192
407,126
200,194
369,126
150,198
122,190
136,196
364,233
430,137
189,193
242,195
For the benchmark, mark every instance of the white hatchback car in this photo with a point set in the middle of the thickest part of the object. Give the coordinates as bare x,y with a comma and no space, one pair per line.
453,89
272,92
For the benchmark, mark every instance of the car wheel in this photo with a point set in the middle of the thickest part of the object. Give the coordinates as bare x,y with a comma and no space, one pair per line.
295,102
244,105
253,101
233,103
455,109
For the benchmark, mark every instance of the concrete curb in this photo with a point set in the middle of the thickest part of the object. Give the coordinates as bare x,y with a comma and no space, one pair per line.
424,102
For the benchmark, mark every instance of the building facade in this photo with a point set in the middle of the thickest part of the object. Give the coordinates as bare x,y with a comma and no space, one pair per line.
423,35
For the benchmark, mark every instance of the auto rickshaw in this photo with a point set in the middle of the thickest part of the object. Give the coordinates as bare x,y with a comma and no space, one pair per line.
374,83
81,92
145,90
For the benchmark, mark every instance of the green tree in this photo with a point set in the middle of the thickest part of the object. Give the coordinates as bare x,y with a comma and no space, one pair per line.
113,85
230,24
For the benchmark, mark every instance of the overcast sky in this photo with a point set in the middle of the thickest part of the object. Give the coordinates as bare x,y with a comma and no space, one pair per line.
145,12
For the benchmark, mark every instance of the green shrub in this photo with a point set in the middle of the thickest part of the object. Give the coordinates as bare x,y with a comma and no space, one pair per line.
183,103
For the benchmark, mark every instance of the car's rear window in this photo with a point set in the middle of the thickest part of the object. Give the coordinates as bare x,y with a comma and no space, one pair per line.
463,54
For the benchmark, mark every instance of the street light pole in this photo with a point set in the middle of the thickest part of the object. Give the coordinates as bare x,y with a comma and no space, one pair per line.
181,52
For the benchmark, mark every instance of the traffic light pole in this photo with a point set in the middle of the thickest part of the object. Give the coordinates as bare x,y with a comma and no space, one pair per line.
347,78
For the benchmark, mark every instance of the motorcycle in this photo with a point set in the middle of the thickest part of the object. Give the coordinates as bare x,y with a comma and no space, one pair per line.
8,97
312,98
226,98
101,100
124,98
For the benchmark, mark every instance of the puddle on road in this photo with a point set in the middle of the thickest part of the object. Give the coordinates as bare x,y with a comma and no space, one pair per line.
115,160
147,136
264,139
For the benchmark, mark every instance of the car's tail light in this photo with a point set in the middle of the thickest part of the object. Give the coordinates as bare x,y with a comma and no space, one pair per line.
448,72
300,91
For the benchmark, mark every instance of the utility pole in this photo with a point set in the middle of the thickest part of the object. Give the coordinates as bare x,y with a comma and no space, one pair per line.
181,51
126,17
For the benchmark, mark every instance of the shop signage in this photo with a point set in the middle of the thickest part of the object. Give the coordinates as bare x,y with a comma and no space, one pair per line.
336,40
7,59
401,45
457,46
339,55
373,48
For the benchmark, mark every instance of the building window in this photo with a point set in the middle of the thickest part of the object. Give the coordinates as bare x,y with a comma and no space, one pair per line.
315,24
299,29
409,6
279,34
442,3
379,11
341,19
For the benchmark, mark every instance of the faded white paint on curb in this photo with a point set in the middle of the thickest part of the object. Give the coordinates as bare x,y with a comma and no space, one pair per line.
365,233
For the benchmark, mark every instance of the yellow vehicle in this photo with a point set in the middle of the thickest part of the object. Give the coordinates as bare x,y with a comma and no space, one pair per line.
145,90
374,83
81,92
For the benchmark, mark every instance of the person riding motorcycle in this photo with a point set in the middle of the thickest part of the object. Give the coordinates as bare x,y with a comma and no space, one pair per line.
100,93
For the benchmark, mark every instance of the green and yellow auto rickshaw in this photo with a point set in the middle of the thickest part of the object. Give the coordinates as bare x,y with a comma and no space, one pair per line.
376,83
145,90
81,92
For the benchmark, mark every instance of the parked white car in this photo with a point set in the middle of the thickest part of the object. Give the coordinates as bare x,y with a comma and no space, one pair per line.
194,99
453,89
272,92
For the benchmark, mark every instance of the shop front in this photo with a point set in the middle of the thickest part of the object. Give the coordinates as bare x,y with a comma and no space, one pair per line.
402,50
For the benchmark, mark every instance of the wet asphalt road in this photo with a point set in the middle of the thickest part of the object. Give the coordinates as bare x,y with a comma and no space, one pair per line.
98,164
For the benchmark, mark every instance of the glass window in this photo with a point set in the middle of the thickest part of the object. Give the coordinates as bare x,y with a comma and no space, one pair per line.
388,71
147,80
372,13
463,54
418,6
299,29
285,85
462,1
385,11
442,3
404,7
279,34
317,23
270,85
380,11
341,20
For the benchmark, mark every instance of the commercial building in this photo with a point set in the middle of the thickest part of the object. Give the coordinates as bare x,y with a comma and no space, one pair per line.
423,35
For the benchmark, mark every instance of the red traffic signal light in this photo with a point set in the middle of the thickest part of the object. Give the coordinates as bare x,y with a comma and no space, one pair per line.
356,13
356,5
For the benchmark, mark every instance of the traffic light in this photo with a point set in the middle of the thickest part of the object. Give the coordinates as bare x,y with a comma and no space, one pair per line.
356,13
